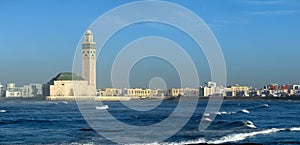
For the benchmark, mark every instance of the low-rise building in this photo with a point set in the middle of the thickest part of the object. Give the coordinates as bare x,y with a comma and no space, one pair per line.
1,90
33,90
237,91
177,92
10,86
109,92
255,92
277,90
66,83
211,89
137,92
12,90
157,93
133,92
295,90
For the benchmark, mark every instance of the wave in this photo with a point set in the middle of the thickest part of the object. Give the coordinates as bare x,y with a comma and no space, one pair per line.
2,111
233,138
247,110
228,113
259,107
197,141
250,124
295,129
207,119
247,123
219,113
224,112
242,136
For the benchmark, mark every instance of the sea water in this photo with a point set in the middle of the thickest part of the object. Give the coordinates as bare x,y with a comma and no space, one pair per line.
46,122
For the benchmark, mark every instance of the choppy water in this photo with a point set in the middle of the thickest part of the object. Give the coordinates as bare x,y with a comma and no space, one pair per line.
45,122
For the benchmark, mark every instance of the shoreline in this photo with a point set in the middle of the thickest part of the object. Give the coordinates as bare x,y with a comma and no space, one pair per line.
226,98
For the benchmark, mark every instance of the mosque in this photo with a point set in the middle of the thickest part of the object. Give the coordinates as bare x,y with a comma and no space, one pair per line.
68,85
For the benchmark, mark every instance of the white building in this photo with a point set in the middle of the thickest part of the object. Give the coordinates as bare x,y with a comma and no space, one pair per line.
211,89
157,93
295,90
12,90
32,90
1,90
177,92
10,86
211,84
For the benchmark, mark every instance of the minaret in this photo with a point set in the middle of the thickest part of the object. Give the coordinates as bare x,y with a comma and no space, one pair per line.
89,59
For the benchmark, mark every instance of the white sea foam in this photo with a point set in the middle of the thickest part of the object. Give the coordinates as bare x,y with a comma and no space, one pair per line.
224,112
235,137
250,124
2,111
295,129
75,143
207,119
199,140
226,139
242,136
245,111
265,105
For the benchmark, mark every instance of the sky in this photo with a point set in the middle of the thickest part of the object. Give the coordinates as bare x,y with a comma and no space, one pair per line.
259,40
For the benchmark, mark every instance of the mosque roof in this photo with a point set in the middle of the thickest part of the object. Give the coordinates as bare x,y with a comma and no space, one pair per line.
67,76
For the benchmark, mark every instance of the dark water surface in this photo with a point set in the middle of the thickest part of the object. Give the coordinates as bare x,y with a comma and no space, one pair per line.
46,122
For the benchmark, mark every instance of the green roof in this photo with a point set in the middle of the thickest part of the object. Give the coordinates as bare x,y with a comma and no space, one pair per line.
67,76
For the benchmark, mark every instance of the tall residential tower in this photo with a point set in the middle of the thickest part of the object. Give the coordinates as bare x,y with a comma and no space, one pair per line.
89,59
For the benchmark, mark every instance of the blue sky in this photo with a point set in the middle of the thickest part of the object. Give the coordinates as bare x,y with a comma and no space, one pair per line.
259,39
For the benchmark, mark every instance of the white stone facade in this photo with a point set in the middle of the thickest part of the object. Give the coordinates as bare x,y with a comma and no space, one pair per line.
69,88
89,59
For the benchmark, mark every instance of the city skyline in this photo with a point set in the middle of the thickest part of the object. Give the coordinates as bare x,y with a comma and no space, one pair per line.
258,39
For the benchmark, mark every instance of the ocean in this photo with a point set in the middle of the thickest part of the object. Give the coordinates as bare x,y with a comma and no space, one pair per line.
237,122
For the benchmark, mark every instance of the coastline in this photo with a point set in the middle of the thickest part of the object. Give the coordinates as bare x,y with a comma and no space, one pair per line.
226,98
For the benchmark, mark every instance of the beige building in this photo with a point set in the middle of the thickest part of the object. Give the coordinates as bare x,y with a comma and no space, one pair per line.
68,84
138,93
142,93
175,92
237,91
109,92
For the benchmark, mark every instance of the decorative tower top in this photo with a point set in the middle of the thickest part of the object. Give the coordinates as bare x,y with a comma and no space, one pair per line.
88,36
